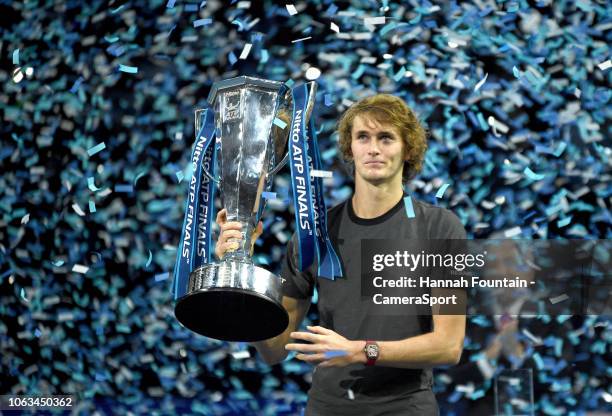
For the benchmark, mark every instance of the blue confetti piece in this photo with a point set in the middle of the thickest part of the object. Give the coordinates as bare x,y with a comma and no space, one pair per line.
442,189
264,56
564,221
127,188
91,184
162,276
95,149
409,207
16,57
327,100
400,74
560,149
92,206
455,396
232,58
482,122
118,9
128,69
335,353
22,294
149,259
516,72
532,175
538,360
58,263
268,195
280,123
477,394
76,85
202,22
170,4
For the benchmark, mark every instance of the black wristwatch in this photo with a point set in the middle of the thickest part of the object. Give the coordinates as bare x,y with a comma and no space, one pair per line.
371,351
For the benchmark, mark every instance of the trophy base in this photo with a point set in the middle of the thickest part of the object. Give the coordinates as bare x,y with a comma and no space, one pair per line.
233,301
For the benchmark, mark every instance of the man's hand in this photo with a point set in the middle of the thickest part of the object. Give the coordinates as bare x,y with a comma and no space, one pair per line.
327,348
230,235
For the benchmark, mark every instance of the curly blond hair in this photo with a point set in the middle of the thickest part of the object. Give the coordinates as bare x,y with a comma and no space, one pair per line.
386,108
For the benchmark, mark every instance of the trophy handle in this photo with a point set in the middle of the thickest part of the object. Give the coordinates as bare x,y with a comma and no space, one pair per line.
198,114
309,106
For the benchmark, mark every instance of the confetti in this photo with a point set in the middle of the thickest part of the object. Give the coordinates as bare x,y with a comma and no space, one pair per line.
245,51
128,69
91,184
409,207
379,20
280,123
162,276
149,259
605,65
443,188
202,22
291,9
481,82
78,209
321,173
334,353
127,187
79,268
515,101
558,299
301,39
96,149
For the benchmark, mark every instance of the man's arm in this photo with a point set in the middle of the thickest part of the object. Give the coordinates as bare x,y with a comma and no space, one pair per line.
441,346
273,350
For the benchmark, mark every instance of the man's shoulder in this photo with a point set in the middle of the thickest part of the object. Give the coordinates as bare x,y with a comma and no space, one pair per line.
441,221
336,209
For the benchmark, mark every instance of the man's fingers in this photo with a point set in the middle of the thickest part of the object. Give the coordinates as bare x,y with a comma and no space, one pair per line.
320,330
229,246
310,358
221,216
226,235
304,347
232,225
305,336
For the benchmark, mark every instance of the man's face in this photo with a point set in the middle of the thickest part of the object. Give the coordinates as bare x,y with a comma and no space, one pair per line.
378,150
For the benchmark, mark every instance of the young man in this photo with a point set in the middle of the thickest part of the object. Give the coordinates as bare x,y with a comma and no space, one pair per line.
387,360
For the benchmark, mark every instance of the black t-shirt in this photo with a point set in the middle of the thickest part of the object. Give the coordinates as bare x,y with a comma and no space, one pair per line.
342,309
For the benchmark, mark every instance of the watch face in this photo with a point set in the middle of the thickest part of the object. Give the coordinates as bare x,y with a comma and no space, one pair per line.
372,351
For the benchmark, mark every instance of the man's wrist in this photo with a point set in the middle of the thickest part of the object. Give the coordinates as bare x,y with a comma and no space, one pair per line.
359,356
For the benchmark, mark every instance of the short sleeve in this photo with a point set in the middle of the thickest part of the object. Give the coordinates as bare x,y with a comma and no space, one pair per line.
452,238
296,284
448,227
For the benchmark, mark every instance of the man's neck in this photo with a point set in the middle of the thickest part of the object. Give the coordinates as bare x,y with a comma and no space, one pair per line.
371,201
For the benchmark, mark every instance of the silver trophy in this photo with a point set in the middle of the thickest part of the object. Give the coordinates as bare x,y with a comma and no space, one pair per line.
234,300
